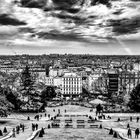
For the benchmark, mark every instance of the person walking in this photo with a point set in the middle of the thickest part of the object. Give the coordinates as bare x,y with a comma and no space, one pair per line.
14,134
23,127
17,129
128,126
130,119
33,127
129,133
36,126
138,119
59,111
37,117
137,132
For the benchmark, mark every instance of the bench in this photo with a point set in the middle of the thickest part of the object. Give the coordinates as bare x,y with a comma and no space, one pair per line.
55,126
68,121
91,121
72,115
56,121
100,117
66,115
68,126
80,126
80,121
79,115
93,126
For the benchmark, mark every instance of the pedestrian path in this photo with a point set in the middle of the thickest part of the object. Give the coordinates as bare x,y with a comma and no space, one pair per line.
28,133
7,136
22,135
21,116
123,133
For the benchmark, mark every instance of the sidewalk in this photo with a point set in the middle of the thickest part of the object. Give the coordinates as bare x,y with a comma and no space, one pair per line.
22,135
123,133
120,128
28,133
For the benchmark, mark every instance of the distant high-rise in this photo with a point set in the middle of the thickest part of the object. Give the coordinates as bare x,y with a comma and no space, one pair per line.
113,82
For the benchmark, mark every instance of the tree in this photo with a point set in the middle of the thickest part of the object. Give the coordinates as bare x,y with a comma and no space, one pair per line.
29,94
26,83
117,98
13,98
85,93
5,106
47,94
134,102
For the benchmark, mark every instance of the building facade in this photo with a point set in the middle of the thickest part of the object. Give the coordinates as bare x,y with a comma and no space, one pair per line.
71,86
128,80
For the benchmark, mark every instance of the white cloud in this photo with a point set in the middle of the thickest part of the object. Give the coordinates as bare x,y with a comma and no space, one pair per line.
8,29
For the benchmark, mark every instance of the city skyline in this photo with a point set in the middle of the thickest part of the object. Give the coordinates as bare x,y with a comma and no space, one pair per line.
69,47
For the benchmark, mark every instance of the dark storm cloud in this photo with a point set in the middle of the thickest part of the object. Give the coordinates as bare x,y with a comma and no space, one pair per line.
70,10
118,12
57,3
125,26
7,20
56,35
33,3
67,16
26,30
74,37
67,5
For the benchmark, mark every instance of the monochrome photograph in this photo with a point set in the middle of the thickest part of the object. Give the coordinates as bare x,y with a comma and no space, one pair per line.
69,69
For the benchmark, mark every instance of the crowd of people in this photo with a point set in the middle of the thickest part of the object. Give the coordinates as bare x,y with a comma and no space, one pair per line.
18,128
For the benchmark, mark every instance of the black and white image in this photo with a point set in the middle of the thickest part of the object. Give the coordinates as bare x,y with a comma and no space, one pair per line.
69,69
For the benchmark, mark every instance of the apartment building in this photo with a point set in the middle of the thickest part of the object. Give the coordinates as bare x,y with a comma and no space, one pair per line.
71,85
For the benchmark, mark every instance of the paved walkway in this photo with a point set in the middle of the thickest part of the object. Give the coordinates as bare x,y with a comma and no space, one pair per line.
123,133
43,122
23,135
120,127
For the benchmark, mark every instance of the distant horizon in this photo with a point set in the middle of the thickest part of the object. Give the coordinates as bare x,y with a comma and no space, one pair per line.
67,54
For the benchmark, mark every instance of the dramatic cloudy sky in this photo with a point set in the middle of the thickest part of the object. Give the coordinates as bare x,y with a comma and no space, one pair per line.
69,26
